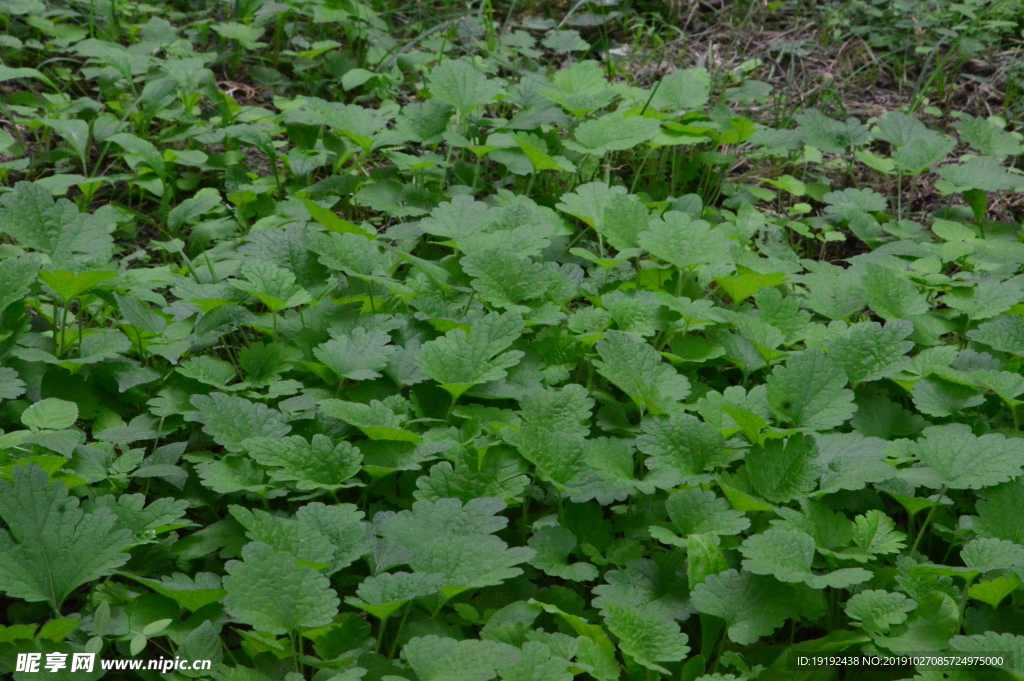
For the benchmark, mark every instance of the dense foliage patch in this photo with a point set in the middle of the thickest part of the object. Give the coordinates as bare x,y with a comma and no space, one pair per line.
335,350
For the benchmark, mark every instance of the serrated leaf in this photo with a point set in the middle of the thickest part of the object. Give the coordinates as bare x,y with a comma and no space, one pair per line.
457,541
460,360
869,351
444,659
683,444
783,471
810,392
358,355
636,368
458,83
229,420
751,605
51,547
52,413
612,132
952,456
317,465
552,546
877,611
274,594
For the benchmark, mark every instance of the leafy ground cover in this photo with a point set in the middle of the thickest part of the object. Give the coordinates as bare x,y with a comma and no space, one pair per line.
350,340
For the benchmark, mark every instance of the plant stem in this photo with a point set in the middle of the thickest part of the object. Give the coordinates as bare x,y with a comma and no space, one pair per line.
927,520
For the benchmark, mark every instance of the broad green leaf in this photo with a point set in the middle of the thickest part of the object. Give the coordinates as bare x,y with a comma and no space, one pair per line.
788,556
460,360
52,413
51,547
694,511
612,132
810,392
229,420
636,368
69,237
684,445
877,611
381,595
327,537
457,541
978,172
892,295
358,355
458,83
444,659
1005,334
998,513
751,605
952,456
317,465
553,546
870,352
274,594
686,243
645,636
783,471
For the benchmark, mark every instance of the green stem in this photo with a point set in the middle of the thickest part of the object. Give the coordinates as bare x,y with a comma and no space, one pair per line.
927,521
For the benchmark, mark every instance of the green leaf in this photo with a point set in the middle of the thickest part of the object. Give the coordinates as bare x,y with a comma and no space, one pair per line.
16,276
274,594
952,456
987,138
999,514
870,352
748,282
326,537
781,472
459,84
457,541
978,172
358,355
992,642
892,295
696,511
331,221
612,132
275,286
553,546
810,392
751,605
191,592
589,201
636,368
246,35
877,611
833,137
74,131
683,444
30,216
682,90
1005,334
317,465
444,659
51,413
203,202
381,595
460,360
686,243
645,635
788,557
51,547
229,420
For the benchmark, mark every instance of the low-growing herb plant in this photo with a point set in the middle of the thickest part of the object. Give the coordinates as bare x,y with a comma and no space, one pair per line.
346,342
